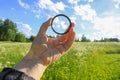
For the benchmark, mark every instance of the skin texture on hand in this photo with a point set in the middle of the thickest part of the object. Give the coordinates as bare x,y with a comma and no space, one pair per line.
45,51
50,49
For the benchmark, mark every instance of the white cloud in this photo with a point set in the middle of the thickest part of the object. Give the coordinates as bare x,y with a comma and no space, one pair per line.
37,16
73,1
85,11
49,5
83,26
117,3
24,28
90,0
64,25
76,1
24,5
78,36
73,19
60,24
107,27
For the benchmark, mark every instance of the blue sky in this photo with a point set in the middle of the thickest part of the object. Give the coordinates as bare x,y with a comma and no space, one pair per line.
95,18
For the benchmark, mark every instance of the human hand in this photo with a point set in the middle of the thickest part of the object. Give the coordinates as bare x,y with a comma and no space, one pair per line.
44,51
47,49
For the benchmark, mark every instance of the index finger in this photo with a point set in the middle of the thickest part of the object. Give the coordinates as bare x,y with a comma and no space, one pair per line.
44,27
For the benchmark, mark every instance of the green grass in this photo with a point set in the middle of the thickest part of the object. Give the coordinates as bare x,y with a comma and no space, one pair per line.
84,61
12,53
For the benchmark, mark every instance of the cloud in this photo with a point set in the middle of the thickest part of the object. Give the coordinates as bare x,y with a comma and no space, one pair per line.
78,36
24,5
37,16
73,1
60,24
107,27
83,26
85,12
90,0
73,19
24,28
117,3
76,1
49,5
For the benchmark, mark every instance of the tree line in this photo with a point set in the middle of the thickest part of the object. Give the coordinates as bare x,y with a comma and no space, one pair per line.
85,39
9,32
108,40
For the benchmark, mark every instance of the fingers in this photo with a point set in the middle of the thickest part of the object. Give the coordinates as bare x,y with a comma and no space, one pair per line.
70,40
67,42
61,39
44,27
65,36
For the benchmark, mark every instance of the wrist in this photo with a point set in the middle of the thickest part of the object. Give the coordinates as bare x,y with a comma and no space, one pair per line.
32,67
40,58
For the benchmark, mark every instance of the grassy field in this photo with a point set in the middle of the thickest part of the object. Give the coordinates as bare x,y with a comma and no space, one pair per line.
84,61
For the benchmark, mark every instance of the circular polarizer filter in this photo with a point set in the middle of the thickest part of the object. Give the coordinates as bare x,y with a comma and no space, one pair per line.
61,24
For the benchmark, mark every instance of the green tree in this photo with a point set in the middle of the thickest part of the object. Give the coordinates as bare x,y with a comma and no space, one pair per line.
114,40
106,40
50,36
1,22
77,40
20,37
31,38
1,29
96,40
84,39
8,30
10,35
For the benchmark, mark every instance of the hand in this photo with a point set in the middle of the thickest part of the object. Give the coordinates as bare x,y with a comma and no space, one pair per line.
47,49
44,51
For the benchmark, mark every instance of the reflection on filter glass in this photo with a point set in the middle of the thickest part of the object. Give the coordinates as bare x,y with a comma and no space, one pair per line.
60,24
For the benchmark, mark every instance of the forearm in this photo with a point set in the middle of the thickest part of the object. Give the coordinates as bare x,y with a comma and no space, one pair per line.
31,67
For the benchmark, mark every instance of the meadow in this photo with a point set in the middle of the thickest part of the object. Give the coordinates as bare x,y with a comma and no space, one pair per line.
84,61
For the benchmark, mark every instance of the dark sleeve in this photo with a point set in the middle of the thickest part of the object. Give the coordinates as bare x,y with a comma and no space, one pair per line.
12,74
